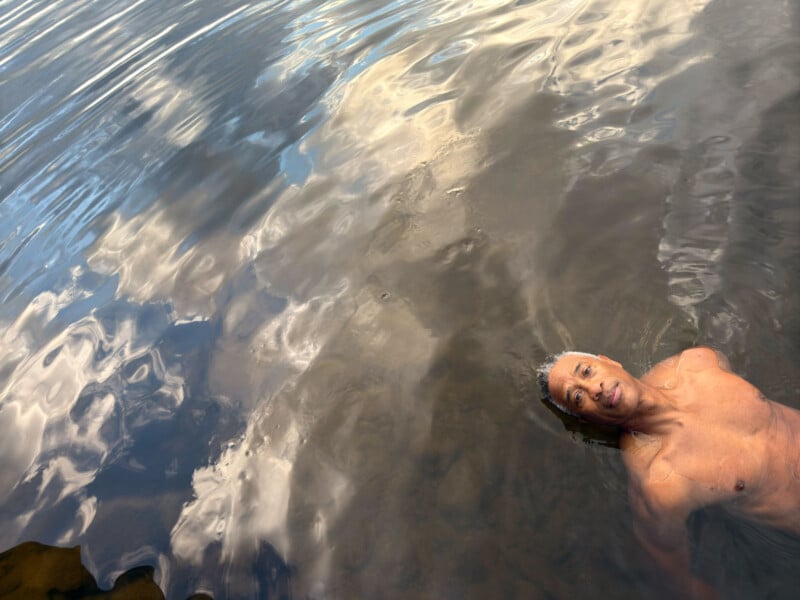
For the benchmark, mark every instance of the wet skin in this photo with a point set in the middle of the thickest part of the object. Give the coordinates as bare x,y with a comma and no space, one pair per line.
694,434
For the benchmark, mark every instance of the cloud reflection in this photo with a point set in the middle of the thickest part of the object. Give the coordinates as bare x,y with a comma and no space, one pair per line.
309,353
71,407
387,181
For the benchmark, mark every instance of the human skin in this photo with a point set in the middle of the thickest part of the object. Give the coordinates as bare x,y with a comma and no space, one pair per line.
693,434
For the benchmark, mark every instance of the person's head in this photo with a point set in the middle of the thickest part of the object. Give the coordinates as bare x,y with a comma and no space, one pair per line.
591,387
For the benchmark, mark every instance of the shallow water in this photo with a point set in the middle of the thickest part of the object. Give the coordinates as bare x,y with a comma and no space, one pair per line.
275,275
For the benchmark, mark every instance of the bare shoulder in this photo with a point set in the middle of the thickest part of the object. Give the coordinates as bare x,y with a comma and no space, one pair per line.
702,358
663,371
640,452
656,488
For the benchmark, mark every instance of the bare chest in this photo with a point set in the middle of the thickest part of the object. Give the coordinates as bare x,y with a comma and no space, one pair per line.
751,469
717,464
722,445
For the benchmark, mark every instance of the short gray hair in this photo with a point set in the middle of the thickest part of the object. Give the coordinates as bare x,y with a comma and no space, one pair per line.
543,375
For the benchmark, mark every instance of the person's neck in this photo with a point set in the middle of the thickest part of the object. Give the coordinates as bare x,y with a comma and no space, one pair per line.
657,412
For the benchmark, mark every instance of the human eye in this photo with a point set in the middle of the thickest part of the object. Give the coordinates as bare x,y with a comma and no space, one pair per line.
587,370
577,398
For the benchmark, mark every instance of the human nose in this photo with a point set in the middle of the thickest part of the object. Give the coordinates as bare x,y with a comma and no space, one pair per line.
596,390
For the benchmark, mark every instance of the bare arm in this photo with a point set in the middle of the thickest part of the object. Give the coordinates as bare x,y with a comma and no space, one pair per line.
660,511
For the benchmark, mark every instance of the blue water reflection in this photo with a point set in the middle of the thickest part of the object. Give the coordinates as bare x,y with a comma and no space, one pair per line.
274,277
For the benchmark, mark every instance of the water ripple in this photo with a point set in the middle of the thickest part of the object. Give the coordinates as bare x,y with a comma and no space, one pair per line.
274,274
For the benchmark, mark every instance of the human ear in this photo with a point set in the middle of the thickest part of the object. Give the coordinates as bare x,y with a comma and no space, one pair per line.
612,361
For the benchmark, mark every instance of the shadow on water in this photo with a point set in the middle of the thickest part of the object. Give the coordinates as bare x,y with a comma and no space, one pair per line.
438,483
427,465
344,381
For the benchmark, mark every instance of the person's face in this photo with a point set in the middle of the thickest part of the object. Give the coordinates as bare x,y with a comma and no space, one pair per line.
597,389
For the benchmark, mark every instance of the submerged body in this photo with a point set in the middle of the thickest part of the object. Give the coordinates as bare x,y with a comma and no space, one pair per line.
694,434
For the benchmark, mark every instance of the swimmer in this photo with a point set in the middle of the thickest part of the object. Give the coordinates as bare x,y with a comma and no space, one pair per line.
693,434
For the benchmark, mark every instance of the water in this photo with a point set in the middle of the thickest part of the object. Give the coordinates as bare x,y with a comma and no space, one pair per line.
275,275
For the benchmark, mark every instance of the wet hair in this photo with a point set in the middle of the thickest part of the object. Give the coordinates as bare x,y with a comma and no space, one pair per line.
543,375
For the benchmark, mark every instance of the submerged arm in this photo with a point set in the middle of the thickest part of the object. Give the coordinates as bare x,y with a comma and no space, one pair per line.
660,512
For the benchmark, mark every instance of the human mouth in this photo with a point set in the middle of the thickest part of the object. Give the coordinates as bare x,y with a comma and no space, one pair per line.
613,400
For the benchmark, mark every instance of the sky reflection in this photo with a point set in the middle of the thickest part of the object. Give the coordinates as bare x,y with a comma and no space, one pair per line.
274,276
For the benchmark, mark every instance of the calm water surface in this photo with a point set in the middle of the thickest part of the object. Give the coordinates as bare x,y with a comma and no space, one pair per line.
274,277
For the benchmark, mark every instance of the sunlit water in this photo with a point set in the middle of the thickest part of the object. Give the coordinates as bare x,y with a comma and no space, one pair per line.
275,275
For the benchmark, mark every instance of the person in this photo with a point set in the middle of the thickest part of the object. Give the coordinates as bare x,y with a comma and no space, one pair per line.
692,434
